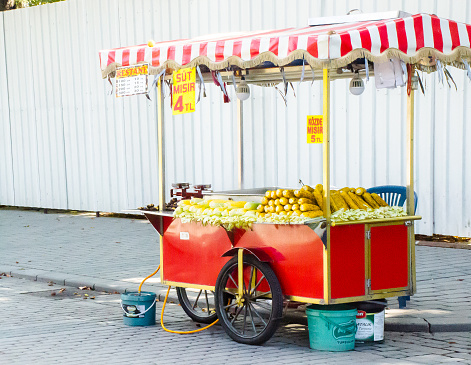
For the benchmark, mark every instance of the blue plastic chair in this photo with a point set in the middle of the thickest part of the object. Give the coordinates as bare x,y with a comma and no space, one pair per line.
394,195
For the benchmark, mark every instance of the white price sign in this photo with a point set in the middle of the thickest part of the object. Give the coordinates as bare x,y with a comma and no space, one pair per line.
132,80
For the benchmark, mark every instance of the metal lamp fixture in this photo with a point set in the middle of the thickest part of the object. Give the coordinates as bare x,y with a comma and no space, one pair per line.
243,90
356,85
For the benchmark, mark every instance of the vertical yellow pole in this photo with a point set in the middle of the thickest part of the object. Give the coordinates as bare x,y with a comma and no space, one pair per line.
410,184
240,272
326,179
161,151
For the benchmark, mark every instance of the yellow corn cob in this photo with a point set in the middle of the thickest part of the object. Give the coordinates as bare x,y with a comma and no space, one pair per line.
268,194
312,214
279,208
265,200
359,201
288,193
261,208
293,200
360,191
271,209
295,207
283,213
284,201
379,200
273,195
266,208
271,202
288,207
307,207
234,205
307,188
367,197
277,201
348,199
305,201
319,188
318,198
339,201
297,212
333,205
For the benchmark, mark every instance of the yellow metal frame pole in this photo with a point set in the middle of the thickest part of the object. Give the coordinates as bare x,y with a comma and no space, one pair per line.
161,151
410,183
240,274
326,180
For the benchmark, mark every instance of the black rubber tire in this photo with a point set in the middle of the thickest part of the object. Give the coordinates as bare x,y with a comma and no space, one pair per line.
228,312
197,315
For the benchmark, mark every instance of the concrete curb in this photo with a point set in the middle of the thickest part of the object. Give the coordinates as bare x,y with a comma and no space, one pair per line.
463,246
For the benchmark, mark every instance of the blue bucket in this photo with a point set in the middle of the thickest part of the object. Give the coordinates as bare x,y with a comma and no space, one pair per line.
331,327
138,308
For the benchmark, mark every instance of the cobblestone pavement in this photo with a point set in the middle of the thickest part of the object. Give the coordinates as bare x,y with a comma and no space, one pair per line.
115,254
43,329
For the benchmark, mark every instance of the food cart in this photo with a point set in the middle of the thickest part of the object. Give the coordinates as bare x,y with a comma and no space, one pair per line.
252,273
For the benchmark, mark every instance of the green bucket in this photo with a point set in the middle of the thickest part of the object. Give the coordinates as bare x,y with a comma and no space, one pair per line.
138,308
331,327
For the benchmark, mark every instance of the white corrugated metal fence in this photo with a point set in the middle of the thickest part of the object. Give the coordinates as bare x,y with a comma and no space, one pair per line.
65,143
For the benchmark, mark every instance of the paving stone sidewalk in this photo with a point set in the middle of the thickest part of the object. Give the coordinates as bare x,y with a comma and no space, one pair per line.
44,329
115,254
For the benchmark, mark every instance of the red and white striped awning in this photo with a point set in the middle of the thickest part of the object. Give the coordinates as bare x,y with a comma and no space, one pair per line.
411,39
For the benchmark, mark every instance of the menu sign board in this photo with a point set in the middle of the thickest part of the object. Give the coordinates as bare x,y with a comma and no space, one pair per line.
132,80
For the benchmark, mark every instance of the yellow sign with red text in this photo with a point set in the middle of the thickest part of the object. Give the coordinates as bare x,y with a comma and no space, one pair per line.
183,91
314,129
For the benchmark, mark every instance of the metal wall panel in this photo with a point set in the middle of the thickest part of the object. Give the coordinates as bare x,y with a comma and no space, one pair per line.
66,144
7,195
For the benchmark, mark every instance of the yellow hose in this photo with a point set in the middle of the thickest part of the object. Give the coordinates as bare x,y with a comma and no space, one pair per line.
142,282
163,308
181,332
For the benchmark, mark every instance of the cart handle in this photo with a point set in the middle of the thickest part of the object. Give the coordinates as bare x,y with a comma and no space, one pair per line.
136,315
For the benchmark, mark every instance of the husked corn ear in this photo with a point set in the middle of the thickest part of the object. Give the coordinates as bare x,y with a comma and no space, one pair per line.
283,213
333,205
268,194
319,188
312,214
303,194
371,202
293,200
348,199
265,200
266,208
360,202
307,207
289,213
288,193
307,188
318,199
277,201
279,209
305,201
271,209
288,207
271,202
295,207
273,195
297,212
339,201
279,193
261,208
360,191
379,200
284,201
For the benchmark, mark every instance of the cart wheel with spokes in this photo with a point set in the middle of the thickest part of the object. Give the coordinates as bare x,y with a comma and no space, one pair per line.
198,304
253,318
